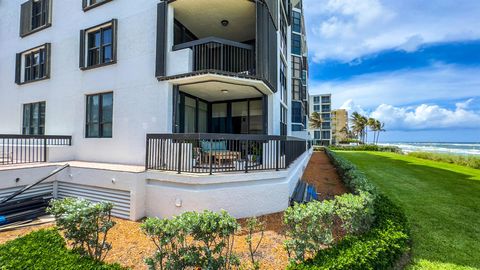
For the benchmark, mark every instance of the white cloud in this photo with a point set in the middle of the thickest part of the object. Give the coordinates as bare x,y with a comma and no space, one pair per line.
421,117
426,117
348,29
403,87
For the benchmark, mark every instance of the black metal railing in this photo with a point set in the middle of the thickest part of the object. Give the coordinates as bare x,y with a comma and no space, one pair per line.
209,153
221,55
21,149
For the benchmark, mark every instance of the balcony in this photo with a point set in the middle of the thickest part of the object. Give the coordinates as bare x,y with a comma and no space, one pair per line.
26,149
221,55
212,153
227,41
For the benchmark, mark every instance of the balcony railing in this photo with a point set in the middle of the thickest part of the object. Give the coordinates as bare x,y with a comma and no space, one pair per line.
209,153
21,149
222,55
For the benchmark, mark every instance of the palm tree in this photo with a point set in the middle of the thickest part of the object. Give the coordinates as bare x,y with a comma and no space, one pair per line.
380,128
371,125
359,123
315,121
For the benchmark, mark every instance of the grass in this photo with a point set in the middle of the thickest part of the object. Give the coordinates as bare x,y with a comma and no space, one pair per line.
442,203
469,161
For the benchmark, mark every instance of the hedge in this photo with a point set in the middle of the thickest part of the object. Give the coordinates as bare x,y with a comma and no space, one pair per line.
380,248
367,147
468,161
45,249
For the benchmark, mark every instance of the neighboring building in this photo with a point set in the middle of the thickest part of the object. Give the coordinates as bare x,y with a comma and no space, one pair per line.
299,62
153,97
339,126
323,105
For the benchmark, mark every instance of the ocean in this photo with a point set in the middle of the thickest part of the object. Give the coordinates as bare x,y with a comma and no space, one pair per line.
446,148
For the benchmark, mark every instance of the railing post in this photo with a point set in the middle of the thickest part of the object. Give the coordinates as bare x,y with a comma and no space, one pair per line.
179,170
246,156
278,156
147,153
44,149
210,157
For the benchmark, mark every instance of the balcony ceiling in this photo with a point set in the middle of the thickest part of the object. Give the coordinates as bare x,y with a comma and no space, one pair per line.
212,91
204,17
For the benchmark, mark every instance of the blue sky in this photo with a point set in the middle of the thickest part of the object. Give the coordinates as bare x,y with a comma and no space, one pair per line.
415,65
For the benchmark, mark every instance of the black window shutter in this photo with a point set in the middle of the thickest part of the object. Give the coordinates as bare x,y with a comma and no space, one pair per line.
161,58
114,39
48,52
25,18
82,49
49,11
267,47
18,68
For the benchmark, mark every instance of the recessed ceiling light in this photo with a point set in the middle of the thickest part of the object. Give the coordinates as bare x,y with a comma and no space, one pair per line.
225,22
225,91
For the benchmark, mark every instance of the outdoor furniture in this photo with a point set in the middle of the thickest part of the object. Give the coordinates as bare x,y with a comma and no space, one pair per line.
219,152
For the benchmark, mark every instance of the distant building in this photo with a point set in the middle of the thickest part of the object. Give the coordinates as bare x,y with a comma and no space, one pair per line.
323,105
339,126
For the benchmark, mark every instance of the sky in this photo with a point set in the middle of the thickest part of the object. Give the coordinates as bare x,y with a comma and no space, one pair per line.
412,64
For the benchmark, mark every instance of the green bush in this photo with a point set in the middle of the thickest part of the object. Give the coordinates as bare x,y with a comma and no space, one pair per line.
200,240
379,248
85,224
45,249
366,147
254,225
468,161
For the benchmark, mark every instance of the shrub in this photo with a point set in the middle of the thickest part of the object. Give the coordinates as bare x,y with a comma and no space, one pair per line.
355,212
379,248
468,161
254,225
309,228
45,249
204,240
366,147
85,224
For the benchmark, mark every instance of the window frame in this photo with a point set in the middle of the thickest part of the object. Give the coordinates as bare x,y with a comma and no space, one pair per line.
100,122
45,17
84,45
21,64
86,5
39,125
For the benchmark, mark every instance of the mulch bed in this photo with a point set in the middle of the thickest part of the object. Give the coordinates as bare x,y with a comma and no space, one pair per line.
131,246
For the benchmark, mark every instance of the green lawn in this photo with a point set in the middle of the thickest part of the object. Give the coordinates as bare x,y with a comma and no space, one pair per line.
442,202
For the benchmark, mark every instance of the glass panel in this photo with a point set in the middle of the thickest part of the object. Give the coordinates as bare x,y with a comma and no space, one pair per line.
26,119
107,130
107,107
202,117
94,39
107,35
219,118
107,54
94,109
190,105
256,117
92,130
240,117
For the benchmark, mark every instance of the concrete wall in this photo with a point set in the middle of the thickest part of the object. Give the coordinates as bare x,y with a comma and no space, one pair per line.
165,194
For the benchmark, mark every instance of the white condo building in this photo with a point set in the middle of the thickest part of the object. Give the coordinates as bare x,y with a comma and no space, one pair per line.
158,106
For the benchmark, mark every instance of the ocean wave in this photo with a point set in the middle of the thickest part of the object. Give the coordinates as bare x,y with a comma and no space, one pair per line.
451,148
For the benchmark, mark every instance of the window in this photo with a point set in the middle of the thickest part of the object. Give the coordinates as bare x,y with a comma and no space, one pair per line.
283,32
35,15
296,112
296,67
89,4
283,81
99,116
296,44
98,45
326,108
283,121
326,125
297,22
316,108
296,89
34,119
33,65
325,99
316,135
181,34
326,135
316,99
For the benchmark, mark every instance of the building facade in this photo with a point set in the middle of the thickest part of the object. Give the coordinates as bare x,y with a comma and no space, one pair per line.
339,126
299,62
184,86
322,104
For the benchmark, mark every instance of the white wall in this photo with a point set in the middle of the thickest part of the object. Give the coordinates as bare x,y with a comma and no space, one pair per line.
132,79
